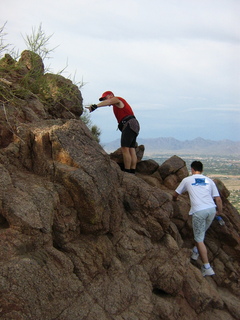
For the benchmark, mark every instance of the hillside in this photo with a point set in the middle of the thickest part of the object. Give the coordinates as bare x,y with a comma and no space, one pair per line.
156,146
82,240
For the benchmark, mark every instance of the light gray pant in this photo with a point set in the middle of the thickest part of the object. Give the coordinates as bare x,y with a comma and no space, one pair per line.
201,221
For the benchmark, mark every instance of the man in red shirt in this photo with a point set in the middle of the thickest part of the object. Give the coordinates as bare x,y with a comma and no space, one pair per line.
127,124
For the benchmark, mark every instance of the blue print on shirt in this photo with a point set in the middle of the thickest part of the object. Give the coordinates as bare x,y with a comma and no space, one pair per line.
199,182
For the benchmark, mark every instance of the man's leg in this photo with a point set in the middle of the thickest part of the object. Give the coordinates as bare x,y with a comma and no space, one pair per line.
127,159
128,141
133,158
199,228
202,251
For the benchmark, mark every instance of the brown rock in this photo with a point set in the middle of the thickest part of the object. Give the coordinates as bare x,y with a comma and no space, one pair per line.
171,166
32,62
118,157
224,193
147,167
171,182
64,98
80,239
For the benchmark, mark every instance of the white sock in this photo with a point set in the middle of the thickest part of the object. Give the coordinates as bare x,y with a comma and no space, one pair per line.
195,249
206,265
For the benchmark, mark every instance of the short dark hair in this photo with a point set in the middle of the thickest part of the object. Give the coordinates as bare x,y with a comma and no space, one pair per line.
197,166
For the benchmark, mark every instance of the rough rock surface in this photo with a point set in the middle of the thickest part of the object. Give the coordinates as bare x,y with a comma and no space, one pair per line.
79,238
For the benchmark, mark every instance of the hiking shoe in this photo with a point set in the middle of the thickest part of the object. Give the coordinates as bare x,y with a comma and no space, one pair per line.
207,272
194,255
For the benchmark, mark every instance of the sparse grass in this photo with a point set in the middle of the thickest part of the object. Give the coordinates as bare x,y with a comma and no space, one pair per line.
3,46
38,42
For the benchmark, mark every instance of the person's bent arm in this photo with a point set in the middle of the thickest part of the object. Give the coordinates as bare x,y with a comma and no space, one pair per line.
175,196
218,202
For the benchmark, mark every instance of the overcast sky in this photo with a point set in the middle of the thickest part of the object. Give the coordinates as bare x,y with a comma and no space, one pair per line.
176,62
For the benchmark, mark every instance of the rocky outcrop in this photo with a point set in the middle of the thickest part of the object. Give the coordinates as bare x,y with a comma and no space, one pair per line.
81,239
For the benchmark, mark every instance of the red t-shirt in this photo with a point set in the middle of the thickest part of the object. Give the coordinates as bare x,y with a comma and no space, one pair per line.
121,113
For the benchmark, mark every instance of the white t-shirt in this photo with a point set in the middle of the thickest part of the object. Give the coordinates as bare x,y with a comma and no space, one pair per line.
201,190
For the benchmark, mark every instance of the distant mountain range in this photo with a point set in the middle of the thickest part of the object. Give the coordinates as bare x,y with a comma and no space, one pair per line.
199,146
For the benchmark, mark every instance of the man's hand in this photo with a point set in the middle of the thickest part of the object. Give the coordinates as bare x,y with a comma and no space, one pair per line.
89,108
175,196
92,107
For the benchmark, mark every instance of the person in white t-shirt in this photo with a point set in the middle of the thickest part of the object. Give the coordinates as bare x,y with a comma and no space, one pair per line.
205,204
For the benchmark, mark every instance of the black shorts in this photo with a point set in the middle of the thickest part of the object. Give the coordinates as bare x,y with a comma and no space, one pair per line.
128,138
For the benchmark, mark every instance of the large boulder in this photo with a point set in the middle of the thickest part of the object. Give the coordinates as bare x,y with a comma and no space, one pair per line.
64,100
